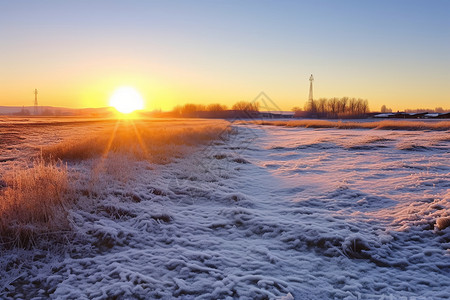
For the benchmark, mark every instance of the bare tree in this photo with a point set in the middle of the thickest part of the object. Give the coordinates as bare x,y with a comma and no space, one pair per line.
311,106
188,109
322,105
332,105
364,106
352,105
384,109
216,107
335,107
246,106
343,104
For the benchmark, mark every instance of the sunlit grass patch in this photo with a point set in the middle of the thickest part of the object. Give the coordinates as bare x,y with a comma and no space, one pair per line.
157,143
443,223
35,201
33,205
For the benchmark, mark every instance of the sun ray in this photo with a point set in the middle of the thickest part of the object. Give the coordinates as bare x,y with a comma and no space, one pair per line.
111,139
140,140
105,153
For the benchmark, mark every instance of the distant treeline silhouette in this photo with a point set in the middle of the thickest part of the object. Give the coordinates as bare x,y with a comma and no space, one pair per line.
438,110
334,108
190,109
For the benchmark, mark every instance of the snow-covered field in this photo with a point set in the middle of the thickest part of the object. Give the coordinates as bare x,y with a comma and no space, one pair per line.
269,213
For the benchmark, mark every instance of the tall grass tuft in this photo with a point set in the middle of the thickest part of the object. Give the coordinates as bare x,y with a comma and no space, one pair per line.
33,205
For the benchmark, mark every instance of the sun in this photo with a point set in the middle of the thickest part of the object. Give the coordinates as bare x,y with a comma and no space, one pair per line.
126,99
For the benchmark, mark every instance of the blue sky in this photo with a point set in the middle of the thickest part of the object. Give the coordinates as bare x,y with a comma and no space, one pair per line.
389,52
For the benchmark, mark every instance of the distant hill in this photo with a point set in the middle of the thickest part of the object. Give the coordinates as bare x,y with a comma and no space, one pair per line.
55,111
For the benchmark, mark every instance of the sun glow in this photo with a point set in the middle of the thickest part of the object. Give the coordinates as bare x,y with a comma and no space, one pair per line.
126,100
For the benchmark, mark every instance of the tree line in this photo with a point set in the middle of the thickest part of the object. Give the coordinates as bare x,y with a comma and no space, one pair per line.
439,109
190,108
428,110
335,107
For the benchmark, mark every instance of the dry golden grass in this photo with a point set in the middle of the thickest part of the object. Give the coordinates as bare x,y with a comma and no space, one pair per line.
385,124
33,204
443,223
154,141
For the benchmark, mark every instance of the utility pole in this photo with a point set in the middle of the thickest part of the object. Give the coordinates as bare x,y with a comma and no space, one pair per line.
35,102
311,79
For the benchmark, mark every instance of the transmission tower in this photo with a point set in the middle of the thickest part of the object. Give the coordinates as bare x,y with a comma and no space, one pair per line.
311,79
35,102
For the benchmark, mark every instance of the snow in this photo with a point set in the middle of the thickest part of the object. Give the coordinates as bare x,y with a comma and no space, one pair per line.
272,213
432,115
384,115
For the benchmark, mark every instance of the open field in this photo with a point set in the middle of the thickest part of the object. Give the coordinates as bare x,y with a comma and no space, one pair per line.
74,138
36,188
199,209
359,124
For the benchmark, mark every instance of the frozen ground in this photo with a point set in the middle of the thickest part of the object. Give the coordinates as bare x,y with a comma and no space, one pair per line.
274,212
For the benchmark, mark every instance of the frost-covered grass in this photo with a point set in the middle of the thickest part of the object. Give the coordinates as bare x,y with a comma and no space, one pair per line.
34,201
386,124
271,213
156,142
33,204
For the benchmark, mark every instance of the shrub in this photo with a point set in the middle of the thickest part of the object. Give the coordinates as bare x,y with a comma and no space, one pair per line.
443,223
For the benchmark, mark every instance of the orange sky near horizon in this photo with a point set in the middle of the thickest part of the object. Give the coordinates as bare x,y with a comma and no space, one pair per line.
175,53
163,92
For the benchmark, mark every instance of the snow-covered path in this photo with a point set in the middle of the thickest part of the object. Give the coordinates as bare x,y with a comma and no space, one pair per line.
274,212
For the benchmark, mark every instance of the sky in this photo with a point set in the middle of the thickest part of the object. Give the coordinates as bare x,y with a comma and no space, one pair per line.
76,53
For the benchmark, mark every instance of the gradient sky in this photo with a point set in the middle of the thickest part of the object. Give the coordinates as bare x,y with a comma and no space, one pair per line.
76,53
